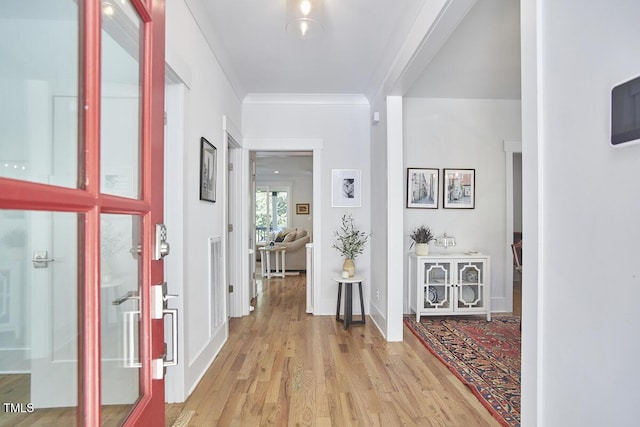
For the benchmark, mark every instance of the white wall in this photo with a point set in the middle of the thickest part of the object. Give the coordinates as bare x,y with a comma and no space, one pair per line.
587,253
344,128
207,98
302,193
463,134
379,250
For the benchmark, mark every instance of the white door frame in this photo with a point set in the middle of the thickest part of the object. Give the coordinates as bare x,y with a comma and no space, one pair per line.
233,215
286,144
510,147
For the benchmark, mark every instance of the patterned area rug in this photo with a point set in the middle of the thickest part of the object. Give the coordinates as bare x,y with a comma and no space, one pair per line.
484,355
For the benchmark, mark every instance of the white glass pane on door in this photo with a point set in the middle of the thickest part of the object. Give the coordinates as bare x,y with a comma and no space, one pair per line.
120,274
120,131
38,317
39,87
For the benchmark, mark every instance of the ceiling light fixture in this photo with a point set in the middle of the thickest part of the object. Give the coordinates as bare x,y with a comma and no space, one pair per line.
304,17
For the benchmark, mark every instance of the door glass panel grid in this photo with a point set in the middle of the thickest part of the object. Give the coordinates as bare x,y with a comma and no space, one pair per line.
470,284
437,292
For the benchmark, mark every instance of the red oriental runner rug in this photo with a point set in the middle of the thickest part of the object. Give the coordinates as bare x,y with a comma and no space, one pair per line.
484,355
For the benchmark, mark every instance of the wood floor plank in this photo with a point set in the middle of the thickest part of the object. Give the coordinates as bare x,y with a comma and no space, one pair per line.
284,367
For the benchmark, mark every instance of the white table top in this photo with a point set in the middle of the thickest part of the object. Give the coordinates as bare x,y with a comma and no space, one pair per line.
273,248
354,279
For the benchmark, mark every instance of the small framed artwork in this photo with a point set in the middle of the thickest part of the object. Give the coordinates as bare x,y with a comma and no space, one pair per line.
459,189
346,188
422,188
302,208
208,160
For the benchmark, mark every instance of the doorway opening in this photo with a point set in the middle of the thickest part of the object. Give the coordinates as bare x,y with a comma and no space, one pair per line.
517,232
282,214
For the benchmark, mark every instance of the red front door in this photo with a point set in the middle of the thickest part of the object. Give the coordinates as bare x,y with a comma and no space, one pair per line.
81,193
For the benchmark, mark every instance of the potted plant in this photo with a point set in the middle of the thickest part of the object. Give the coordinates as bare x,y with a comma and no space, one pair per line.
350,243
421,236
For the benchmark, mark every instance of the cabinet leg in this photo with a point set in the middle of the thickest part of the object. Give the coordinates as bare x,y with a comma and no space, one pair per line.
361,303
339,298
348,309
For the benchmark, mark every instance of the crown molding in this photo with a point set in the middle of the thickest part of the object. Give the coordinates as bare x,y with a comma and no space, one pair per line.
200,15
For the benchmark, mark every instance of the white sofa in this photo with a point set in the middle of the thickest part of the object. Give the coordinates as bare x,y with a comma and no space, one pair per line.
294,240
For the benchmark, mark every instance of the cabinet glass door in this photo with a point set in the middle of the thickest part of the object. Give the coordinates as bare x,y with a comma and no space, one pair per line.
470,281
437,285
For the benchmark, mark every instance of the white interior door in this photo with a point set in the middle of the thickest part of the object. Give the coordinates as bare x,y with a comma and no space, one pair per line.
252,215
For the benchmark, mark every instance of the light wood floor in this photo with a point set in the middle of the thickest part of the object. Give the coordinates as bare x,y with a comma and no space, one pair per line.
283,367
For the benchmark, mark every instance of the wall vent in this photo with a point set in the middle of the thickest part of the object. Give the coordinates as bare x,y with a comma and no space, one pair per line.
217,292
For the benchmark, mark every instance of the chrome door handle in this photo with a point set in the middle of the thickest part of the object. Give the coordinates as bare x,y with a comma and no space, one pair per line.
129,336
41,259
174,336
129,295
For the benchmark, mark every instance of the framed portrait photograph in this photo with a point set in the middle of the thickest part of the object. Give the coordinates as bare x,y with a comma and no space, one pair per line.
422,188
346,188
302,208
208,160
459,189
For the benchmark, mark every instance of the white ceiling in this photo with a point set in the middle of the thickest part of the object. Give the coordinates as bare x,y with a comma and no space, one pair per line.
290,165
359,37
358,46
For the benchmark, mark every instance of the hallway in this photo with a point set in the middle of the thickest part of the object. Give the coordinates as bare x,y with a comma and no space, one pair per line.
283,367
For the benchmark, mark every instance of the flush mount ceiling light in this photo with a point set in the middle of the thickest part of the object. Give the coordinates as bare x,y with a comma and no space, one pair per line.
304,17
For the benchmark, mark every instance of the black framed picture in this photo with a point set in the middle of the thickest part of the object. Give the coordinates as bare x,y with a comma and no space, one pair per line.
459,189
208,169
422,188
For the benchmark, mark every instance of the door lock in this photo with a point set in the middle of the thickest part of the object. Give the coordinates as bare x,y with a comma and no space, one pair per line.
162,248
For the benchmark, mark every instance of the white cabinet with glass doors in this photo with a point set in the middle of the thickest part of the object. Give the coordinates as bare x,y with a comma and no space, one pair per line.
450,284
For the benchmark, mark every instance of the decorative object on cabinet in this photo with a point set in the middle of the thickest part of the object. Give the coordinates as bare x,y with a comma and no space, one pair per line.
483,355
345,188
450,284
208,167
459,189
445,241
421,236
350,242
422,188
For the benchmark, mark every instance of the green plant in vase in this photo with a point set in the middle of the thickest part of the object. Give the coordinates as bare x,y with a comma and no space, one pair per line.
421,236
350,243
